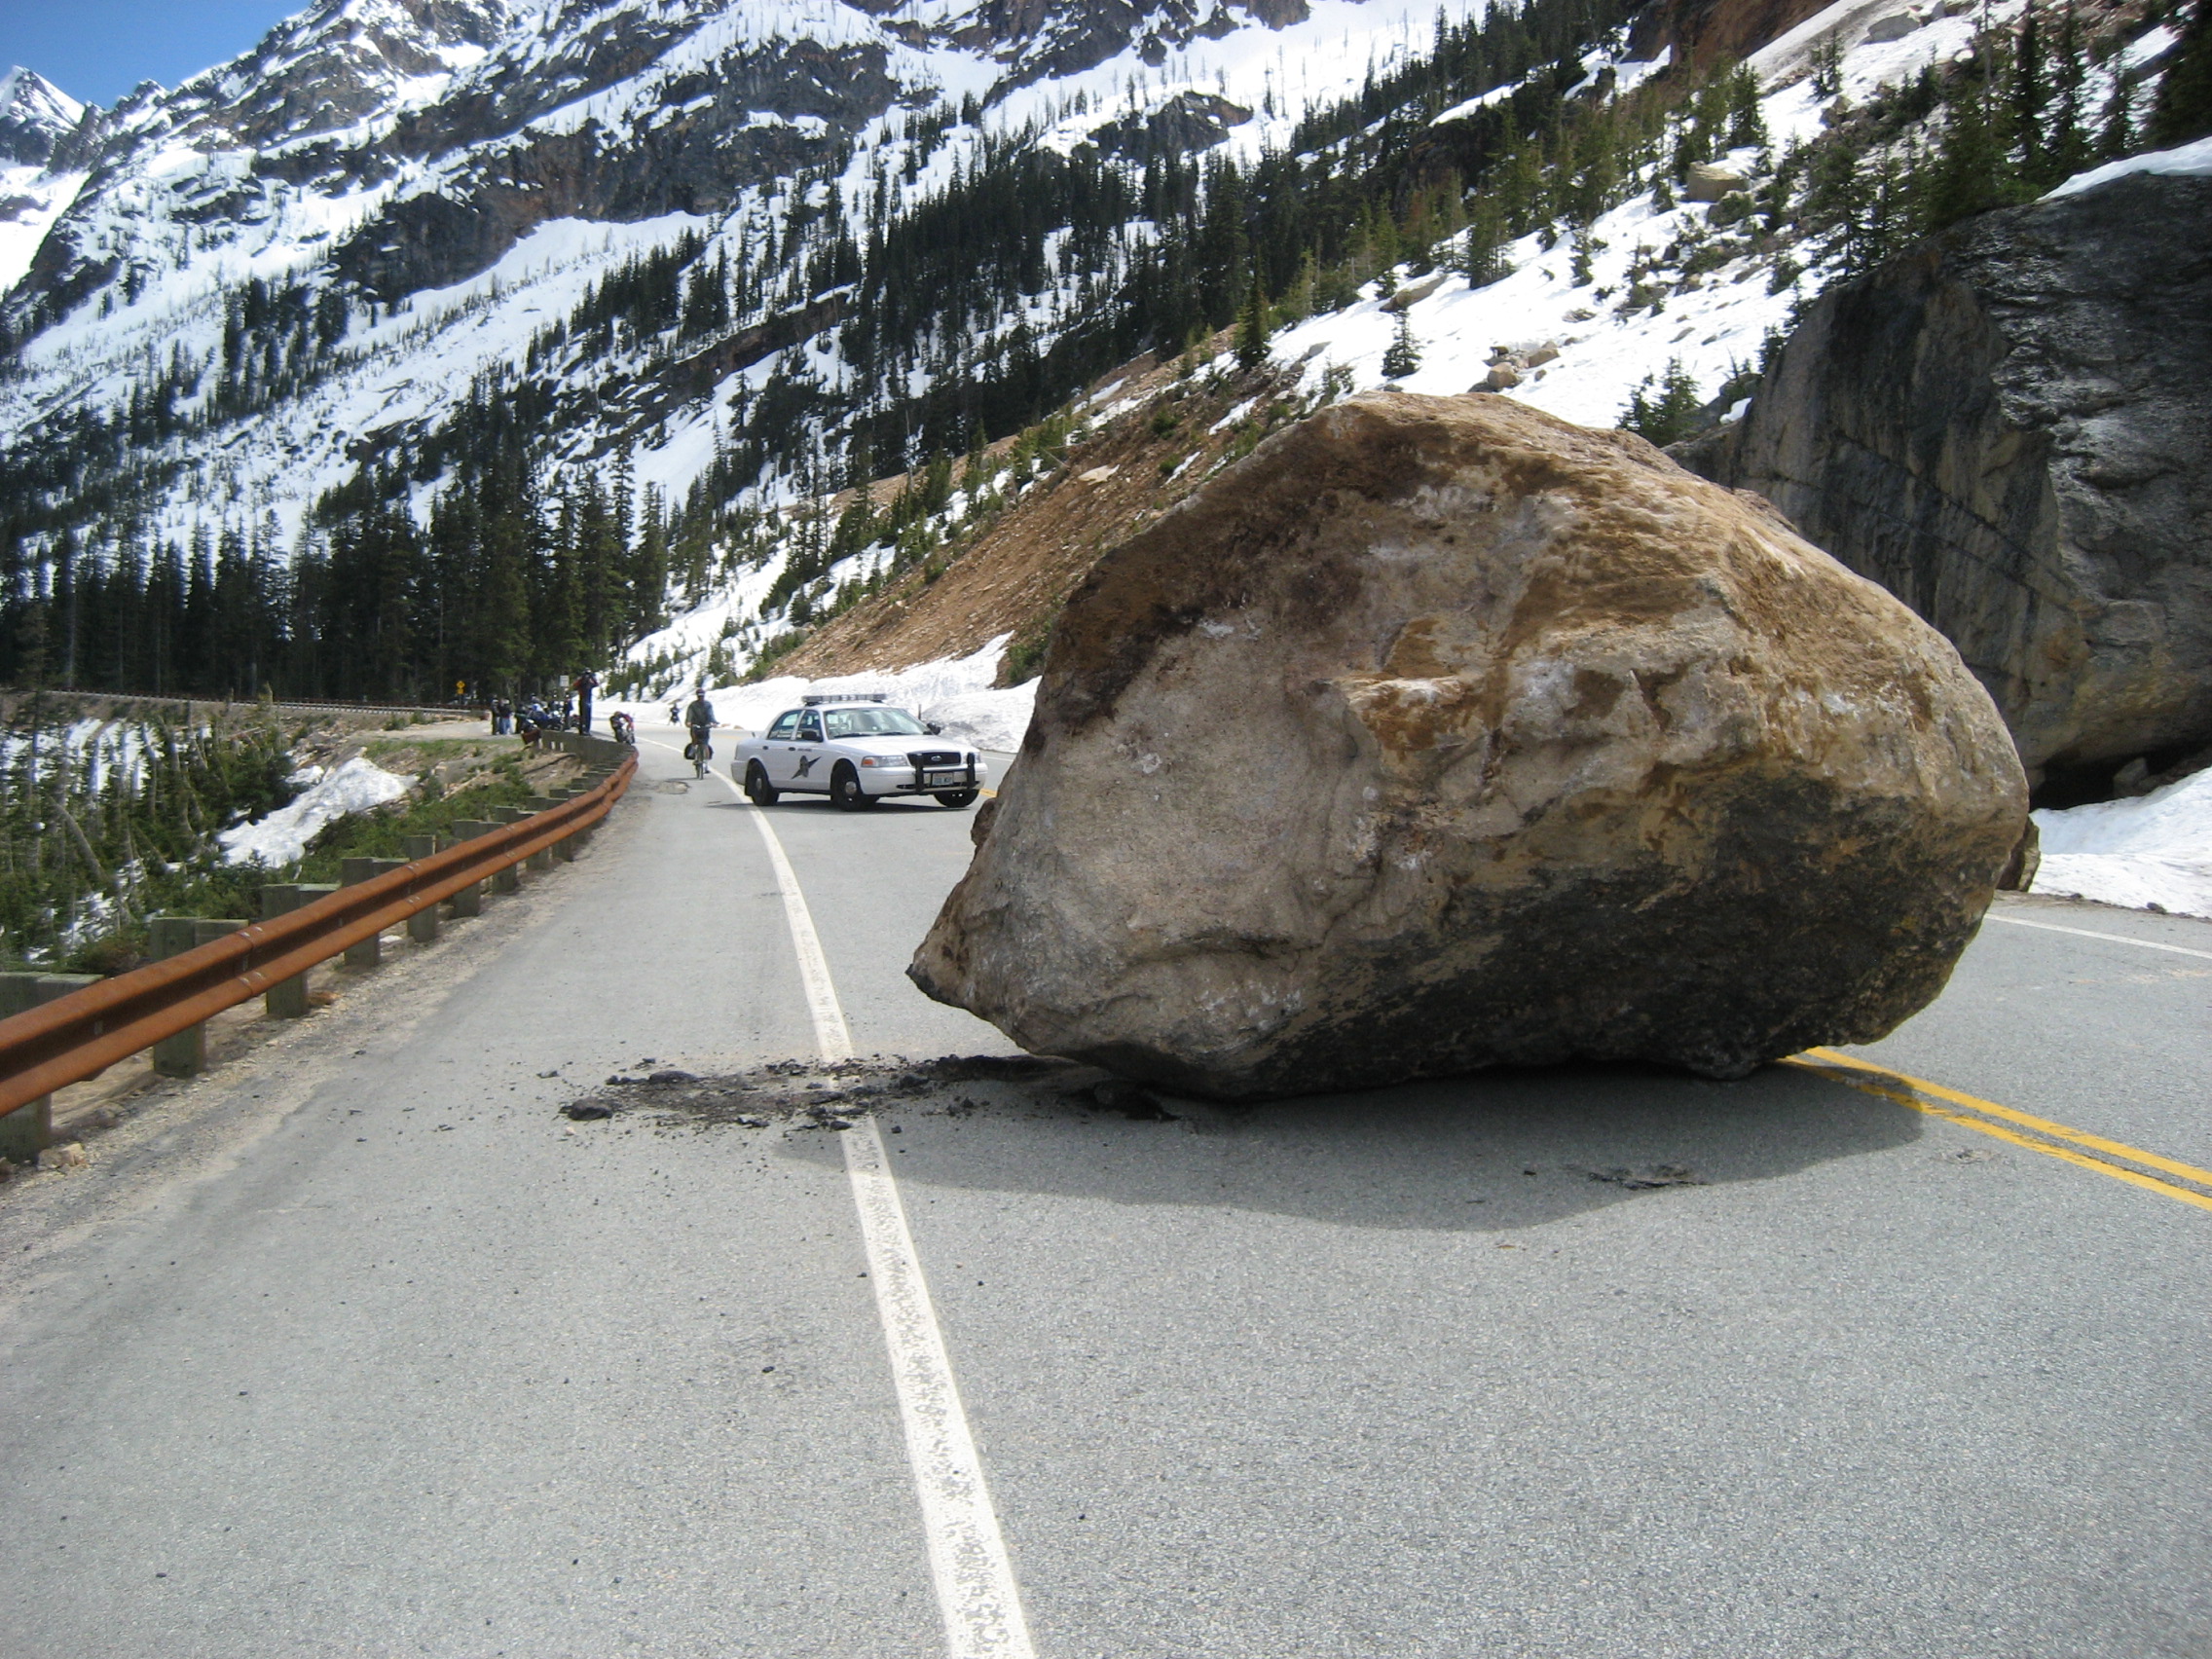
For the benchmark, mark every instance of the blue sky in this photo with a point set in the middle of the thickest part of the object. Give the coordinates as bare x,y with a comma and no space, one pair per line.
98,50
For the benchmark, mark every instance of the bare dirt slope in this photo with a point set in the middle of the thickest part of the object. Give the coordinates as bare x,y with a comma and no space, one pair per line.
1157,441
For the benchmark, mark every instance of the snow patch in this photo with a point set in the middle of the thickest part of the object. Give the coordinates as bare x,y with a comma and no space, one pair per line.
2156,848
2188,161
282,837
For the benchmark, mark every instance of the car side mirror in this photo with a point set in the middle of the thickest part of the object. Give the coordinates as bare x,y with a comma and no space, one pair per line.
932,729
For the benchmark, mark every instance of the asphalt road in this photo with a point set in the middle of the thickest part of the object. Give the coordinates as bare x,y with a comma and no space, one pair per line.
359,1347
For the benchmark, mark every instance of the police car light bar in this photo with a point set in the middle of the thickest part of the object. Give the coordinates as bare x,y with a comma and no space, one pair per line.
814,699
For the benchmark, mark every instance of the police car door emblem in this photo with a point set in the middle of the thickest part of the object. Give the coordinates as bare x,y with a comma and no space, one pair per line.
805,765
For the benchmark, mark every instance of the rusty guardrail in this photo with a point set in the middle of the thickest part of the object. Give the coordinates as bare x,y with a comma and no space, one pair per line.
81,1034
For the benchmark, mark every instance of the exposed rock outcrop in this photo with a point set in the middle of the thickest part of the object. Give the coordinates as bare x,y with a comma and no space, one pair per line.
35,116
1440,734
2009,429
1707,32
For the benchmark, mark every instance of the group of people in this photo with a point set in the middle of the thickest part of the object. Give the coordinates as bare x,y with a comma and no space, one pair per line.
573,714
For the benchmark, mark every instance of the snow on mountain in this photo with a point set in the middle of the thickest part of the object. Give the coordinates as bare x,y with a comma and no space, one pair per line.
35,115
2183,160
701,248
1607,347
1659,288
454,177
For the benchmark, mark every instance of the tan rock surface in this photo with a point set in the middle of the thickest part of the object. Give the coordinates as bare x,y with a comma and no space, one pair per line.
1439,734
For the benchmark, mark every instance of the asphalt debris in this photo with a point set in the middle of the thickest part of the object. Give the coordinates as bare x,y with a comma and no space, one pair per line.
1132,1100
1658,1175
829,1095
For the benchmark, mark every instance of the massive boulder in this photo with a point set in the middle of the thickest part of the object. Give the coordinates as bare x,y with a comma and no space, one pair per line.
2009,427
1439,734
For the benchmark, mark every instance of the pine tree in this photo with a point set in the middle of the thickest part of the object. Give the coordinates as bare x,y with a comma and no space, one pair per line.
1252,327
1971,172
1483,261
1747,125
2185,95
2068,151
2115,133
2029,94
1404,355
1670,415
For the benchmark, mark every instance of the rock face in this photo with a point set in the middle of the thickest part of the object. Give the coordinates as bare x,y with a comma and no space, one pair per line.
34,117
2007,428
1440,734
1707,32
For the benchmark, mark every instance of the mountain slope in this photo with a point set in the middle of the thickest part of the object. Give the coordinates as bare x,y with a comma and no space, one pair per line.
461,343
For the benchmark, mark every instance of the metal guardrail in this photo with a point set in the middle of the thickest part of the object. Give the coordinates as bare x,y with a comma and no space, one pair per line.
300,705
81,1035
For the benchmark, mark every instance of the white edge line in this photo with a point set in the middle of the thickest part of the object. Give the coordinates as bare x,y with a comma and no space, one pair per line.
2110,938
975,1579
831,1034
976,1590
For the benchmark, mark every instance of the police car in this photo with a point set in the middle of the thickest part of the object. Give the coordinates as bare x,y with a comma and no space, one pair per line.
855,750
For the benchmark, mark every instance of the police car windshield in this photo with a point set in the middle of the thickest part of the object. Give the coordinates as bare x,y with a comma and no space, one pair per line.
870,722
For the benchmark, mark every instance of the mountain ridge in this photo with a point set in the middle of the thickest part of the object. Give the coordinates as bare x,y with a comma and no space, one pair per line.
506,339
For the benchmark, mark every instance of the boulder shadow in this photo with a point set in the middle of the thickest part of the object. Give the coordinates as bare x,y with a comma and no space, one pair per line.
1497,1151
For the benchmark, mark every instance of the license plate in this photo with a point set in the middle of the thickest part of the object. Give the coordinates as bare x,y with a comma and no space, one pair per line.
943,780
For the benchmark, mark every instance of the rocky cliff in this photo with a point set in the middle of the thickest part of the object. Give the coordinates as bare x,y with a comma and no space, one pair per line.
35,116
2007,428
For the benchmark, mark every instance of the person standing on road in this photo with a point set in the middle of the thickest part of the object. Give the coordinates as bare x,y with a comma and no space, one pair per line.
585,684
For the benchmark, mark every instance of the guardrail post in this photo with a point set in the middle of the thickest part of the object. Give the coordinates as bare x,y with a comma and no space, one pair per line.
186,1053
508,880
469,900
350,872
29,1130
287,998
423,925
565,849
543,859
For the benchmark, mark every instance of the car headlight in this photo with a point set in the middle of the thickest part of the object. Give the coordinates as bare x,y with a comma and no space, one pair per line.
896,762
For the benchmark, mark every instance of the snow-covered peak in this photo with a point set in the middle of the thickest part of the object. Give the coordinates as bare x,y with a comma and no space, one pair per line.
34,116
342,64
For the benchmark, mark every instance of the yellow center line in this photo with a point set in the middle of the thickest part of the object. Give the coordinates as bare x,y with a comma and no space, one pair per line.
2041,1125
1907,1091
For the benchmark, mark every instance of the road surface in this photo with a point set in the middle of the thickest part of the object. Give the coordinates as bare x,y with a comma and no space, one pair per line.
360,1347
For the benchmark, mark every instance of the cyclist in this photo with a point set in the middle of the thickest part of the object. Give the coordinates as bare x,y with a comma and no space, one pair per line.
699,717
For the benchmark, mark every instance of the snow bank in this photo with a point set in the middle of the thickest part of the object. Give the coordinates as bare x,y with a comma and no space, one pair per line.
989,719
2156,848
283,837
2187,161
955,692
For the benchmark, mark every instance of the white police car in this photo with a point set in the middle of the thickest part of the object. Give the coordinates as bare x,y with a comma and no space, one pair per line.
855,750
